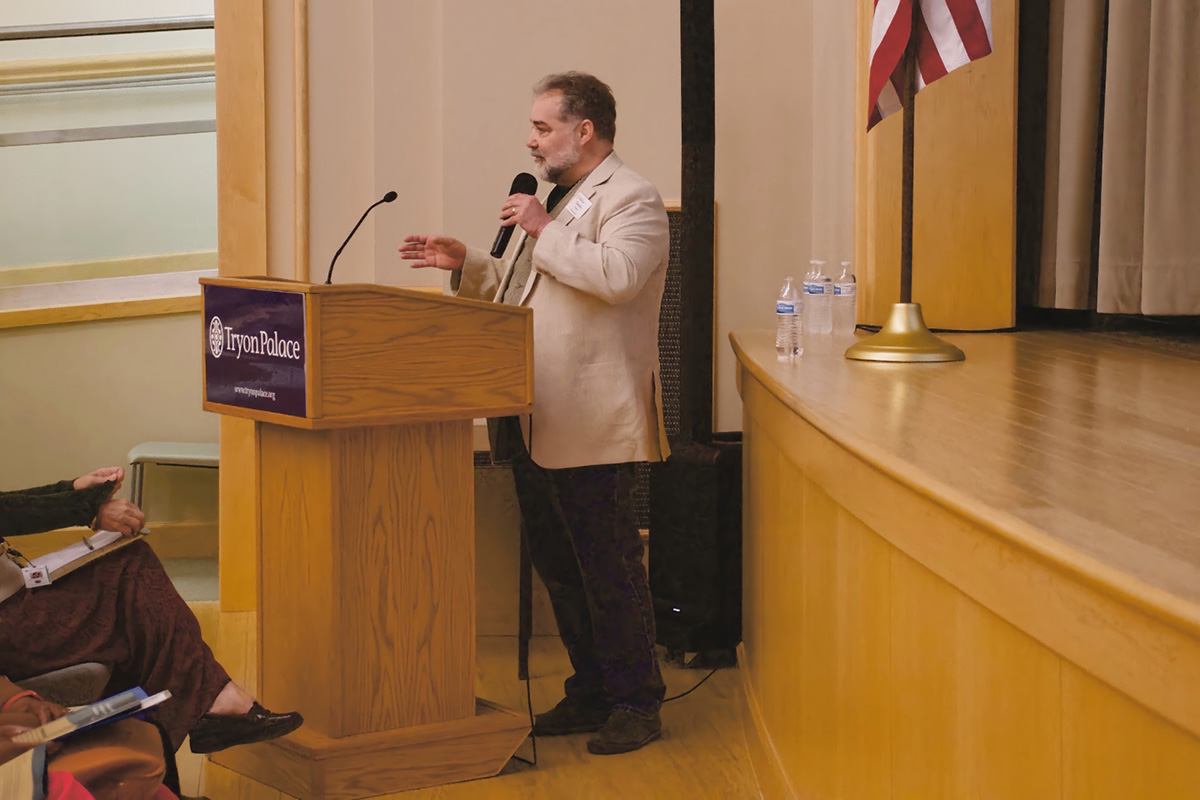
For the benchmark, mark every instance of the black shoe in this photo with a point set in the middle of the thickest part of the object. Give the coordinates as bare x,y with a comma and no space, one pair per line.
570,716
215,732
625,731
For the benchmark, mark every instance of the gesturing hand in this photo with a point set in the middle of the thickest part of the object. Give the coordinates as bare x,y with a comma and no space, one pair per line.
98,476
121,516
442,252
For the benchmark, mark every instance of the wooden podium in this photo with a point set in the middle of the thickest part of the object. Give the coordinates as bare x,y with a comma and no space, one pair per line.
365,397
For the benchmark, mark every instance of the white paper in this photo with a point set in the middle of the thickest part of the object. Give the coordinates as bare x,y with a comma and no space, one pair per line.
74,552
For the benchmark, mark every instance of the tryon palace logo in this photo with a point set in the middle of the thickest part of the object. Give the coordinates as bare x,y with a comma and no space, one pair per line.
260,343
216,337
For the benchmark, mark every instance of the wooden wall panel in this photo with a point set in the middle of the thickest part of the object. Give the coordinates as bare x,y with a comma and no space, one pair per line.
964,207
1114,750
814,561
241,138
864,677
776,661
973,696
241,250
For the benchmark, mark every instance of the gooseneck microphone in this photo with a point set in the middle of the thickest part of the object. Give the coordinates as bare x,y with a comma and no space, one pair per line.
387,198
524,183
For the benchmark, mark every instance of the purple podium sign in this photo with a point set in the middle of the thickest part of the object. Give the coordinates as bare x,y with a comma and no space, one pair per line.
255,349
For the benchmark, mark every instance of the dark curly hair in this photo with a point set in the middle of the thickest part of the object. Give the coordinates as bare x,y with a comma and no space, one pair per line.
583,97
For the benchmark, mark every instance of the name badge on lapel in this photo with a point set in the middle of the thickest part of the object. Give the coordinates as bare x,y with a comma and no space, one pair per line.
578,206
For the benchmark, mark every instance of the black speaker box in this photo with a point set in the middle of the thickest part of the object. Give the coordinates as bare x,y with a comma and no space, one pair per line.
696,546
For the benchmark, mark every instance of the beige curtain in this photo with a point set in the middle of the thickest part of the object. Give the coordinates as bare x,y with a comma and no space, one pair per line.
1072,124
1148,259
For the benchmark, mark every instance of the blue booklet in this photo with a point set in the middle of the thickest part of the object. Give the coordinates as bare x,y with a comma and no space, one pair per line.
102,712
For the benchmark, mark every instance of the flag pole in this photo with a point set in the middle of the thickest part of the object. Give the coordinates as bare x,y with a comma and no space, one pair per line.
906,171
905,338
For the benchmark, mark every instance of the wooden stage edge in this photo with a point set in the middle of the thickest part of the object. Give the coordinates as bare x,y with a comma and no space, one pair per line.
973,580
307,764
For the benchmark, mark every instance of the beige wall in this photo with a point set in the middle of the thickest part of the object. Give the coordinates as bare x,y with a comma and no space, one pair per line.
784,174
80,396
493,54
432,99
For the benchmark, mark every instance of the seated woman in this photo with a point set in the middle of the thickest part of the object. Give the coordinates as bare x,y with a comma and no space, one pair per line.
122,611
120,761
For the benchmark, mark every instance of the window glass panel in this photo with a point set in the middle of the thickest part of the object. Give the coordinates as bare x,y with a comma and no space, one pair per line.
137,193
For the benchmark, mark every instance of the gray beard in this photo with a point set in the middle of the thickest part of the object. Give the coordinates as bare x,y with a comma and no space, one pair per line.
552,172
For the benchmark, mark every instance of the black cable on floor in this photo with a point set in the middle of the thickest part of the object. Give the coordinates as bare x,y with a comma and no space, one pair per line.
694,688
532,735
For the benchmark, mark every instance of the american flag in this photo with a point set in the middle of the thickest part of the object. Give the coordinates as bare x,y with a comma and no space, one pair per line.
950,33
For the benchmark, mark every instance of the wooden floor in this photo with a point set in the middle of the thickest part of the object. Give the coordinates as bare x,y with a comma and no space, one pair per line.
702,753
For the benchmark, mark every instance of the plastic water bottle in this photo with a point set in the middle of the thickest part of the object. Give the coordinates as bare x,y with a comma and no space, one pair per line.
818,301
787,322
845,302
806,290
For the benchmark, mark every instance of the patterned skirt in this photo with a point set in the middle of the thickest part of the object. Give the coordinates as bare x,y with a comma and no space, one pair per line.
122,611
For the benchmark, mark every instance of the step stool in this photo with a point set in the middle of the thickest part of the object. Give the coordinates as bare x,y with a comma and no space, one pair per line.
168,454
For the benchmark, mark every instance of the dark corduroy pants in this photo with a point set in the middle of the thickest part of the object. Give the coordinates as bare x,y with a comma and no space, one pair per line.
584,543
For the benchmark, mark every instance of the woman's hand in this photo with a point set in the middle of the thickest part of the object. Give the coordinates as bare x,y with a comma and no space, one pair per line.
8,749
36,707
99,476
121,516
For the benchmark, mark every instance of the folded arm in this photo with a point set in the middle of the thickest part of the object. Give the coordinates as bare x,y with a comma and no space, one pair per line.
24,512
50,488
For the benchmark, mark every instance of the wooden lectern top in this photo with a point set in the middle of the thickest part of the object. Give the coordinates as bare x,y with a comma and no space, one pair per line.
318,356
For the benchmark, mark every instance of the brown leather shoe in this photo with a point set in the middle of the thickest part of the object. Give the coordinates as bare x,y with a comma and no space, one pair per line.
215,732
570,716
624,732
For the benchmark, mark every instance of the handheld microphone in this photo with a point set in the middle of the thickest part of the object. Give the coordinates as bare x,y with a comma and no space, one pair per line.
387,198
524,183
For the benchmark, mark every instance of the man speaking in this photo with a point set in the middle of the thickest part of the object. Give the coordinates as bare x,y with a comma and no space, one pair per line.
591,263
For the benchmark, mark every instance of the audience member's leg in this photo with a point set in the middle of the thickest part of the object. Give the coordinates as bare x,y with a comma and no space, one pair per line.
121,610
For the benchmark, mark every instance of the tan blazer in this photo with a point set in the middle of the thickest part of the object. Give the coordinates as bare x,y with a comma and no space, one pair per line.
595,289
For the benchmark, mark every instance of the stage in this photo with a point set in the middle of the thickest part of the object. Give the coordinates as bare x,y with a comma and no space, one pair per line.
975,579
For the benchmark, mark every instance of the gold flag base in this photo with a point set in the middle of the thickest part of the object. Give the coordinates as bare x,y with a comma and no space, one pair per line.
904,338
